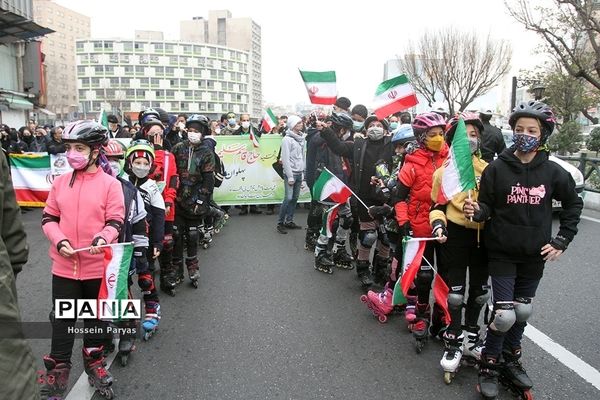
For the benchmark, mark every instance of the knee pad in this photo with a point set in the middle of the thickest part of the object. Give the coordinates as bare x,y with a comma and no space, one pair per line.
481,297
383,238
168,242
146,283
504,316
192,234
367,238
455,300
424,278
346,220
523,308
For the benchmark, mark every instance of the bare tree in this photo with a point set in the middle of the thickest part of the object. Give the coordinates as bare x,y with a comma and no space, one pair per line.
571,33
459,65
423,83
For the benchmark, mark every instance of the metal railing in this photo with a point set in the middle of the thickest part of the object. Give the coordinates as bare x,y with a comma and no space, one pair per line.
589,167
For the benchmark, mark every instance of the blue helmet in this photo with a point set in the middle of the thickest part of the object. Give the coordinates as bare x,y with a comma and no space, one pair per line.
403,134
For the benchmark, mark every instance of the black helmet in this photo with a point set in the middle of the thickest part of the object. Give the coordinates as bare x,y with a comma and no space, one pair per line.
535,109
372,118
151,121
145,114
85,131
199,122
341,120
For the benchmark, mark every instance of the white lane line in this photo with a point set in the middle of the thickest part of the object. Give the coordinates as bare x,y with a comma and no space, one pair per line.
81,389
570,360
591,219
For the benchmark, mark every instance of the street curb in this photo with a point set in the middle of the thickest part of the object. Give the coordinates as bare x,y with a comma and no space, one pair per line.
591,201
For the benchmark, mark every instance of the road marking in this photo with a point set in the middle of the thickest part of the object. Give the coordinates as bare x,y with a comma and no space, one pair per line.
591,219
81,389
570,360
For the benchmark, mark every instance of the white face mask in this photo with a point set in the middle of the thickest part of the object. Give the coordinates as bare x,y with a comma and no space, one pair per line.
115,167
473,145
245,124
218,131
140,171
375,133
194,137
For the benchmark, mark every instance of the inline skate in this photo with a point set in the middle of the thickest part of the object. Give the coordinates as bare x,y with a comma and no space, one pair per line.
98,376
54,382
379,303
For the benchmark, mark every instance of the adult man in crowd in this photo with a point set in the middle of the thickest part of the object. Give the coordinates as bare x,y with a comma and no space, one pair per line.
114,129
492,142
17,368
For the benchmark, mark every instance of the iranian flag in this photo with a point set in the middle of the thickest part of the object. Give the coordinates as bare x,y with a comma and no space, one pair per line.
328,220
31,177
329,186
320,86
411,262
458,175
254,139
393,95
269,121
117,260
103,119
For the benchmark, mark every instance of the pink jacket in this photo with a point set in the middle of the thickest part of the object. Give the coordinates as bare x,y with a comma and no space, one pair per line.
80,214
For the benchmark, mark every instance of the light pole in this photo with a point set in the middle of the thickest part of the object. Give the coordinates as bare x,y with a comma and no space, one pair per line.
537,88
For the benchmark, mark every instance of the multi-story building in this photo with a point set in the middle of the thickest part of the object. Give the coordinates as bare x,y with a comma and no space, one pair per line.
59,50
22,85
126,76
238,33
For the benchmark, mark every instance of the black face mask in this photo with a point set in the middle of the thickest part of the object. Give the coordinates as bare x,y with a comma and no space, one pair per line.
27,139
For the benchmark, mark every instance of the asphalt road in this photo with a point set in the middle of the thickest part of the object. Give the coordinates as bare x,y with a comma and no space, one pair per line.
265,325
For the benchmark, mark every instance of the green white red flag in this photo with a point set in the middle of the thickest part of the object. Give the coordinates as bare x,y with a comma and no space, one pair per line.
321,86
411,262
117,260
458,175
329,186
394,95
103,119
269,121
328,220
254,139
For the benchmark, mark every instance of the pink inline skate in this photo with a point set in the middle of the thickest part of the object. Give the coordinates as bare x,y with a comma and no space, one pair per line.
379,303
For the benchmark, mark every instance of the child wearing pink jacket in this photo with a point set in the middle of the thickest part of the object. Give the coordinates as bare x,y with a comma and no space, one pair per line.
84,208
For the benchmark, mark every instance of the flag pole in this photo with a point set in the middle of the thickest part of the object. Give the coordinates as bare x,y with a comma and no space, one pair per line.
351,191
101,246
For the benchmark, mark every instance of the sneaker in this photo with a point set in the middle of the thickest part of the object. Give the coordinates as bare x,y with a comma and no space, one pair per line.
255,210
292,225
281,229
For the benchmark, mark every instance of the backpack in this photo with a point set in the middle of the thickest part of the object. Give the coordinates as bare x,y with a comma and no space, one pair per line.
219,170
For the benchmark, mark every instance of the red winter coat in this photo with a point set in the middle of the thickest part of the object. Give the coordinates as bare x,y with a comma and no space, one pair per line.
417,175
165,175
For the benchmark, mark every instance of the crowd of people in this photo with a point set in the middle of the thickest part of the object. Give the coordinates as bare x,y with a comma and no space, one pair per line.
501,231
158,194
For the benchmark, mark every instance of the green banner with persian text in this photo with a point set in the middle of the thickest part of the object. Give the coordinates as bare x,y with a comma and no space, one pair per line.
250,177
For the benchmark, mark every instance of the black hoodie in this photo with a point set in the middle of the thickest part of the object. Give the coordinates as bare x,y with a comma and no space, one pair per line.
517,198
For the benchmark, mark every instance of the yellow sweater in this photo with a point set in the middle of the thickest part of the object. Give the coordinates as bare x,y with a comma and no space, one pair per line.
454,209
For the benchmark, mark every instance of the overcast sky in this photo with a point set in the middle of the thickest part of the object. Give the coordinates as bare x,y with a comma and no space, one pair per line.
354,38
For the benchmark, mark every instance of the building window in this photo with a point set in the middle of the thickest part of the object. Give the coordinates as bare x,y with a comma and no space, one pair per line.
144,82
128,70
173,60
98,69
159,47
187,72
159,71
128,46
184,83
169,71
139,69
109,70
159,93
80,70
114,82
170,94
125,82
124,58
222,31
154,82
79,46
169,48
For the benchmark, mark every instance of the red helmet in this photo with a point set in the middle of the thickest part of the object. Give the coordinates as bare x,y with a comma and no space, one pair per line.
469,118
425,121
114,148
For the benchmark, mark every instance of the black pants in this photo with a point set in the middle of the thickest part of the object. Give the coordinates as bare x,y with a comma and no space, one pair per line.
185,232
62,340
508,288
457,259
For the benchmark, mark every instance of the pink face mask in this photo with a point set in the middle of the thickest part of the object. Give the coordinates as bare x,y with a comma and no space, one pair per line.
76,160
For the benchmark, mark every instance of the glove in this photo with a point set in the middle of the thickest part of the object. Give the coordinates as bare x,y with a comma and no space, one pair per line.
437,224
406,230
560,243
380,211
